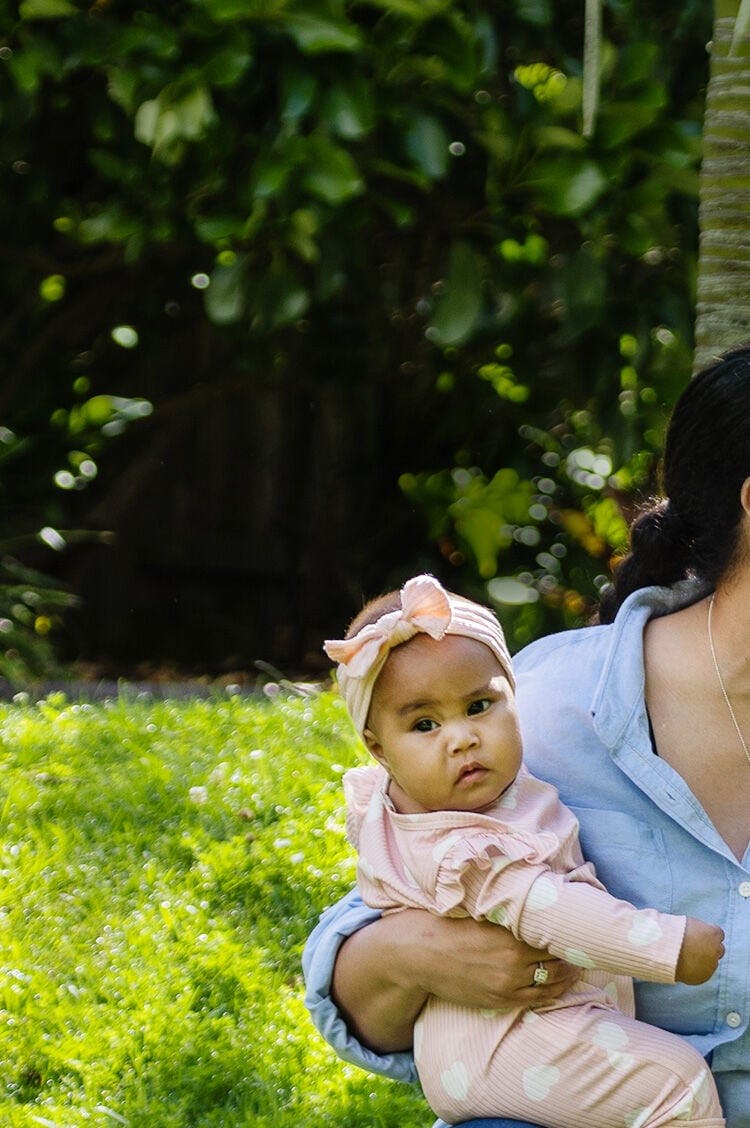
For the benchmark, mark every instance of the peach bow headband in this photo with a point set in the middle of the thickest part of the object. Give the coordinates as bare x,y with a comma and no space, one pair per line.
425,607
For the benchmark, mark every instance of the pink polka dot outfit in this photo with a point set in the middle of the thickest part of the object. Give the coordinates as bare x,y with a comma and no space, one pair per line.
582,1061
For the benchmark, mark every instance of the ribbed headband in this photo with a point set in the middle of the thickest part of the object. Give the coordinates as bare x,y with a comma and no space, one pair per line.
425,607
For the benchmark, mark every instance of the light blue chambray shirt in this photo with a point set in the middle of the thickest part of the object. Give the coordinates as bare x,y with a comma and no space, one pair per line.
585,729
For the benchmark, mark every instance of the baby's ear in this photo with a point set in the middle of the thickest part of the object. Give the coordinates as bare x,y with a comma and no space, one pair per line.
374,746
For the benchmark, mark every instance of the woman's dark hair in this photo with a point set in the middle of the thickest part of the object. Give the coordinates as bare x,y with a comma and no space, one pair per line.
694,530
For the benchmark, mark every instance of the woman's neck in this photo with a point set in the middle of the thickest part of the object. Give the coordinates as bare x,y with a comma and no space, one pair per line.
730,630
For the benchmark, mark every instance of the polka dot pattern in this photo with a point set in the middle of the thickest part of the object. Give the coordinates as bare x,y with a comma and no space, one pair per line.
418,1042
578,957
539,1080
542,895
366,869
498,915
455,1081
610,1036
644,930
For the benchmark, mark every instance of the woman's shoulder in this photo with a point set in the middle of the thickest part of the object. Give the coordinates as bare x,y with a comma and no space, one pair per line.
623,637
553,649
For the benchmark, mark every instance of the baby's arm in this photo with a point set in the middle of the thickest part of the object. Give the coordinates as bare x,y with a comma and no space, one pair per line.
586,926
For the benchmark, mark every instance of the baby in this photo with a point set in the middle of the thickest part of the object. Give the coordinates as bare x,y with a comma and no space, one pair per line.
453,823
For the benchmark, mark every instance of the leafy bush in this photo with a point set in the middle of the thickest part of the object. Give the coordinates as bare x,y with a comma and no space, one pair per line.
395,193
63,454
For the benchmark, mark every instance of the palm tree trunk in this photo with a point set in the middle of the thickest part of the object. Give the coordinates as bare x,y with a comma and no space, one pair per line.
723,291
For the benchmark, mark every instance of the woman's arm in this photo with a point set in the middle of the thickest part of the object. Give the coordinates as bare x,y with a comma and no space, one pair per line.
385,971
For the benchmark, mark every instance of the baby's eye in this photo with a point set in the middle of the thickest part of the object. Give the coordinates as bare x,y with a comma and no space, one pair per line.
479,706
425,725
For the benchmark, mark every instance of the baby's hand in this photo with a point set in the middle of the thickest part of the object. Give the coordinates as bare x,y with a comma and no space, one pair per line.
702,948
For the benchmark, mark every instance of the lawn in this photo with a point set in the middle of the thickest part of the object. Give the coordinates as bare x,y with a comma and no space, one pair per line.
162,863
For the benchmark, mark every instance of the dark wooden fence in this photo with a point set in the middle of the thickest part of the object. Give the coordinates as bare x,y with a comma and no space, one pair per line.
253,509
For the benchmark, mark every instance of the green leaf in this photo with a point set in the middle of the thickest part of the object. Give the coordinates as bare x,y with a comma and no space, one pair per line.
214,228
332,174
637,62
458,309
487,44
122,87
280,299
399,173
272,170
227,66
349,110
619,121
567,185
292,302
417,10
426,142
163,123
29,66
111,224
297,90
231,11
455,47
580,285
535,12
98,410
46,9
315,34
195,113
483,511
113,166
557,137
225,297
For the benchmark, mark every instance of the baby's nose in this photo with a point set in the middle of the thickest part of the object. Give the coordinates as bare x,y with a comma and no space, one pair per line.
462,735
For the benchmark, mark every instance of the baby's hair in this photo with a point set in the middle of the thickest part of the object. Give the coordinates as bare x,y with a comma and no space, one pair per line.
377,607
373,610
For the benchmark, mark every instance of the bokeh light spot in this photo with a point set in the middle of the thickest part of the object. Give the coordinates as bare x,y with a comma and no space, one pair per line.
125,336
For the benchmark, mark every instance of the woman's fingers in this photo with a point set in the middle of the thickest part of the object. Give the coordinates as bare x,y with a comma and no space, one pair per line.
560,977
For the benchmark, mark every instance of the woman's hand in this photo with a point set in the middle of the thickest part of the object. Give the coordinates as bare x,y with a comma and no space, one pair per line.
385,972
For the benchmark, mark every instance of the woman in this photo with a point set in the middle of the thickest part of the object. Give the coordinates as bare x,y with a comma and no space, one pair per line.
643,724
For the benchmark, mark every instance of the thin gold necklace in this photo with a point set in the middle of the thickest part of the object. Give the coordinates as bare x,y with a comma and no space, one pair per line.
721,681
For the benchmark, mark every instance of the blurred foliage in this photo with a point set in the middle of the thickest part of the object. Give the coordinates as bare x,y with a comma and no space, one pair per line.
62,456
560,523
413,171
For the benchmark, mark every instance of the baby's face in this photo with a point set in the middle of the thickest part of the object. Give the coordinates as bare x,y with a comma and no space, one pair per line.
443,723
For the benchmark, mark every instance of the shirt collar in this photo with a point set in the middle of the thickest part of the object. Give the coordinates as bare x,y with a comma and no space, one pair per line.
618,699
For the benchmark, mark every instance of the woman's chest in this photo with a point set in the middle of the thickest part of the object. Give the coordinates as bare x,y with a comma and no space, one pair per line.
704,749
695,731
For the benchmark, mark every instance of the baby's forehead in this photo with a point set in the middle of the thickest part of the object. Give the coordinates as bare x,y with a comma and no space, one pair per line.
453,655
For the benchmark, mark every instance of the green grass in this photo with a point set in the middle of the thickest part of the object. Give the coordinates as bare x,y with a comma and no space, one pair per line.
161,865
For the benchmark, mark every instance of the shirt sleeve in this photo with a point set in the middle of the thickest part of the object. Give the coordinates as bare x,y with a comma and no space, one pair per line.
335,925
589,928
564,913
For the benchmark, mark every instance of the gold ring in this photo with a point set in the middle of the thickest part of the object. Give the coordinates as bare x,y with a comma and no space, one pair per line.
541,975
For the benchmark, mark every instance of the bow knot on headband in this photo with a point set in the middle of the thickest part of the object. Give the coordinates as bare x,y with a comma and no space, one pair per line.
426,607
